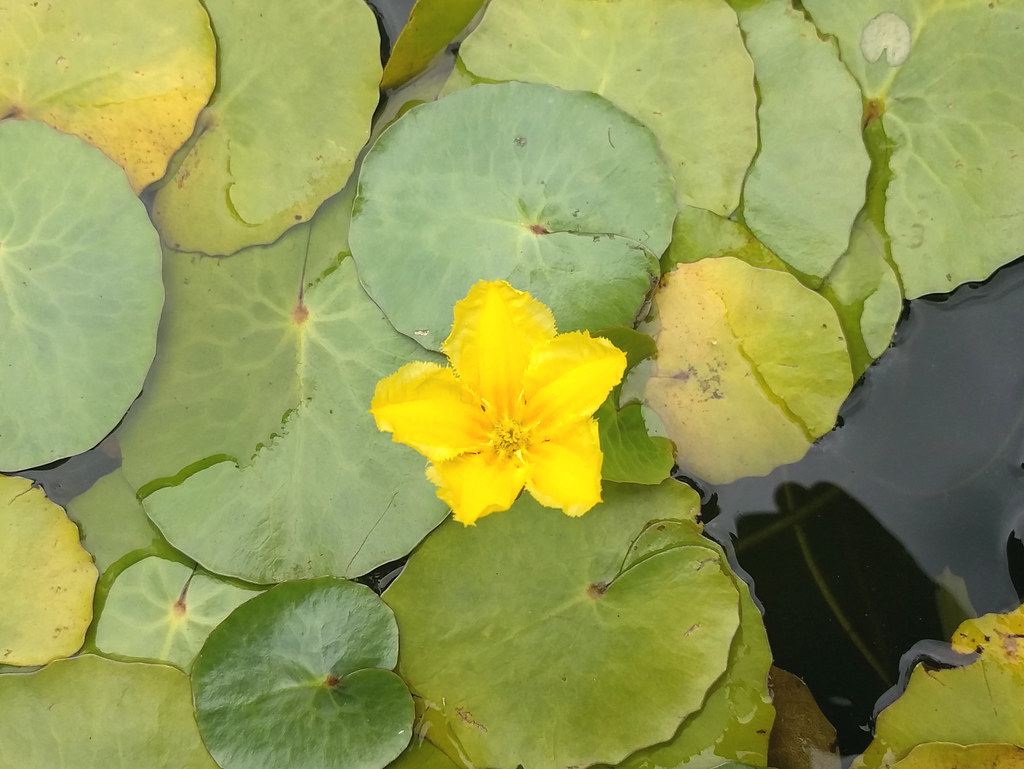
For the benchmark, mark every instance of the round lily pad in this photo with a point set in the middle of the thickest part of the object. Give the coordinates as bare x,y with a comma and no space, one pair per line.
544,641
688,77
297,85
162,611
46,578
502,190
93,713
947,755
253,446
431,26
80,295
302,676
752,367
129,78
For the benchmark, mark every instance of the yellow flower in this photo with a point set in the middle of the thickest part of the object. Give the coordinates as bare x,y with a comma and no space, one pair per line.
515,408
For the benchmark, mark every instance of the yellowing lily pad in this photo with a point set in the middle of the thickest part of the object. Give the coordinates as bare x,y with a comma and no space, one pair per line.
503,192
301,676
751,368
162,611
431,26
252,445
508,629
979,702
687,77
46,578
955,124
94,713
80,295
129,78
297,87
808,181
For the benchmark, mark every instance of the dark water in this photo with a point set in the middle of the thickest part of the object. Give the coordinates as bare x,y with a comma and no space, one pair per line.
905,519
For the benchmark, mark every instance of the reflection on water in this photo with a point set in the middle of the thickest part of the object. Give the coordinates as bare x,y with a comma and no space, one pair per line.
923,484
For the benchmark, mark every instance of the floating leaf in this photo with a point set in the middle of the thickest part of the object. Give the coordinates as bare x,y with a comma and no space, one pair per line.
297,87
112,520
431,26
242,489
80,295
737,714
301,676
46,578
976,703
802,194
128,78
94,713
503,191
955,124
688,77
508,628
163,611
751,369
946,755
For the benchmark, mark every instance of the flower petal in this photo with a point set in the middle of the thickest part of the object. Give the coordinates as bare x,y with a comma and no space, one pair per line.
568,378
566,472
495,330
475,485
428,408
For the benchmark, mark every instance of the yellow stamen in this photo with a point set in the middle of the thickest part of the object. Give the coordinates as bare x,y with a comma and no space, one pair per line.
509,438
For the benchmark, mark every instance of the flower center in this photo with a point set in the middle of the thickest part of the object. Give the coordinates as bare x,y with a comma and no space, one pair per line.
509,438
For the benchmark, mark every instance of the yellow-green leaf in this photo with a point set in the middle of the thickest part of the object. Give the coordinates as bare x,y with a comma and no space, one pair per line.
128,77
46,577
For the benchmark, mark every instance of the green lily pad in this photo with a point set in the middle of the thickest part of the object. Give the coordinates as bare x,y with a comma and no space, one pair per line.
631,453
302,676
508,628
431,26
751,369
976,703
801,195
688,77
737,715
956,125
946,755
162,611
94,713
698,234
297,87
289,476
112,521
80,295
503,191
46,578
128,78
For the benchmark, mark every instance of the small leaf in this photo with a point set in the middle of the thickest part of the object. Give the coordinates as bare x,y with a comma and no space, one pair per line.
431,26
301,676
162,611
